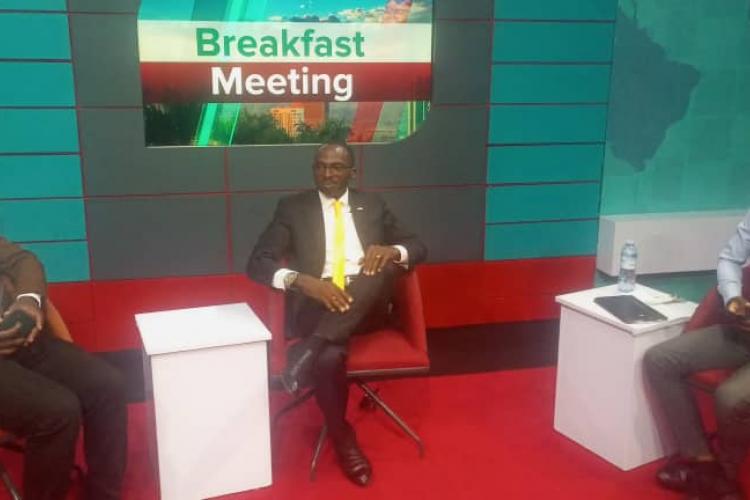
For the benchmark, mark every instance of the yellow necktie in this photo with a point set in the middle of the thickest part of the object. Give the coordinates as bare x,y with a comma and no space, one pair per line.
339,246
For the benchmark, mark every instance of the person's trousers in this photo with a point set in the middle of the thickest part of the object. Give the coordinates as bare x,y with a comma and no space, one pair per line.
669,367
367,312
47,390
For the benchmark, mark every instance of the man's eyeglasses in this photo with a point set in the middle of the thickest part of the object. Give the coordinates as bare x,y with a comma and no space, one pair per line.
336,168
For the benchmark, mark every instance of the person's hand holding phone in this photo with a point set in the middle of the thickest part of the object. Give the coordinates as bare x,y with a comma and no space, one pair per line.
10,339
20,324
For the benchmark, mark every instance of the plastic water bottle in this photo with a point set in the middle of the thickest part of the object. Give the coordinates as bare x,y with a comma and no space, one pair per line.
628,261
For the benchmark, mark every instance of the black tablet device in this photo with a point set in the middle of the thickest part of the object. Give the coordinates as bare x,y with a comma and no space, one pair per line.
628,309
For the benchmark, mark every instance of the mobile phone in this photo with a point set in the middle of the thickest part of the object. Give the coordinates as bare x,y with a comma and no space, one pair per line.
14,317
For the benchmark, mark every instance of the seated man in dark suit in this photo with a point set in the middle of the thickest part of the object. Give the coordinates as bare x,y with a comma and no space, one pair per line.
49,387
704,474
342,249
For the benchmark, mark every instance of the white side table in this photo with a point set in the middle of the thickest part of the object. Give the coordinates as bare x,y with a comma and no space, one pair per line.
206,370
601,400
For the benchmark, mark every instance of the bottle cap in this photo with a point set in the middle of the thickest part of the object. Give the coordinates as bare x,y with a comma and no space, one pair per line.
630,242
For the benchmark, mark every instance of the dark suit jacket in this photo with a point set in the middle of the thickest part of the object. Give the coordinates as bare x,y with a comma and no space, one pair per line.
295,238
20,272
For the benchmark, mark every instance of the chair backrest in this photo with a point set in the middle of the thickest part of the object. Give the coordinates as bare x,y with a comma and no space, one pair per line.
709,312
711,309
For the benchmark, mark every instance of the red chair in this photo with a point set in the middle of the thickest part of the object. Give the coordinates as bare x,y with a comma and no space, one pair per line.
396,351
710,312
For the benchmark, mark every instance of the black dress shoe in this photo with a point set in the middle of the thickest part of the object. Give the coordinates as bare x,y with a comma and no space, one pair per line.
352,460
675,475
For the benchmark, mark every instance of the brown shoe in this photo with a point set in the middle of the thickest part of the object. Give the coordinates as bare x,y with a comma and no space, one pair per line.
352,460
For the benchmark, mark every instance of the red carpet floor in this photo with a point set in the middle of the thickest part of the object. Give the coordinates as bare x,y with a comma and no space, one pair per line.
488,436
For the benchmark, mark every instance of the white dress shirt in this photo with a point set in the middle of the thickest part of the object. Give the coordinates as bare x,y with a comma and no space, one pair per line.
731,259
353,253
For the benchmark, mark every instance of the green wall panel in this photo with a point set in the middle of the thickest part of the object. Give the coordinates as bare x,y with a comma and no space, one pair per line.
556,9
543,239
33,4
550,42
34,36
42,220
544,124
38,131
515,164
522,83
63,261
542,202
36,84
47,176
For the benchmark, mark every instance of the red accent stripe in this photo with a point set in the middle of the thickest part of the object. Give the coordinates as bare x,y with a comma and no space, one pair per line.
502,291
75,303
365,122
366,118
100,314
104,319
191,82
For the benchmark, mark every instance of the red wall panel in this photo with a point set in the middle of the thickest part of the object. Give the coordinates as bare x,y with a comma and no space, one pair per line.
100,314
110,322
501,291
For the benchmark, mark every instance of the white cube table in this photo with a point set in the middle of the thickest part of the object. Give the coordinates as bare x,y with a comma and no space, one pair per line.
206,371
601,399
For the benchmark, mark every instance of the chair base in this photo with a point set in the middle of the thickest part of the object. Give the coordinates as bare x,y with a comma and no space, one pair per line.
8,441
373,397
8,482
316,451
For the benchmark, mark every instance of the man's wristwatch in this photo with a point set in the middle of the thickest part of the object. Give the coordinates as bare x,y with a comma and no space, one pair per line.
289,279
398,256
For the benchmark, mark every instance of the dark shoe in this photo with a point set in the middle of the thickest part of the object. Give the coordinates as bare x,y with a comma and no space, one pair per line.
674,475
707,481
298,364
352,460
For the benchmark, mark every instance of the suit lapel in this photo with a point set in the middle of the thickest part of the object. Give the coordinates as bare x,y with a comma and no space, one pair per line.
314,211
356,202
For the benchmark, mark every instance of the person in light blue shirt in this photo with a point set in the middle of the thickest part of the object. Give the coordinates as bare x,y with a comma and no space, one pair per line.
731,259
703,472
